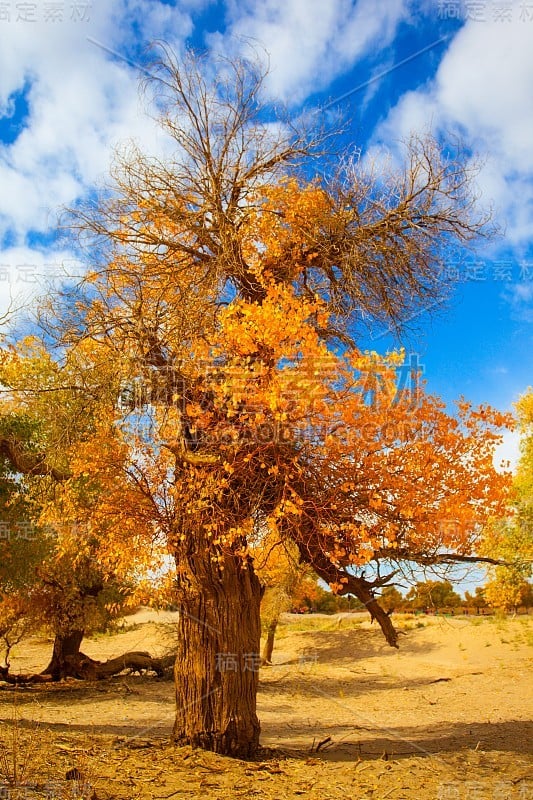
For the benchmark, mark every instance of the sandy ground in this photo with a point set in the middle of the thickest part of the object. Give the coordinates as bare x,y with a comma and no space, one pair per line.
343,716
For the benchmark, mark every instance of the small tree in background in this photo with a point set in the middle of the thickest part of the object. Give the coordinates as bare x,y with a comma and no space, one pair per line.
527,596
53,570
282,576
508,590
433,595
477,600
511,539
392,599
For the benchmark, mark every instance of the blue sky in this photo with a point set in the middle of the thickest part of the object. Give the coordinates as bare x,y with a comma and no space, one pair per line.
68,96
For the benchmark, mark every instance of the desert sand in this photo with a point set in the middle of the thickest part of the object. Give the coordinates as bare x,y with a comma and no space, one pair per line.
343,715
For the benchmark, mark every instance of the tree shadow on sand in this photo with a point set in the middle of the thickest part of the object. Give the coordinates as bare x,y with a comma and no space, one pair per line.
344,646
343,743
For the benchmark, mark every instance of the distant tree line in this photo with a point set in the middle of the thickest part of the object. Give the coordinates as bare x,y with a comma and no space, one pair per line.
424,596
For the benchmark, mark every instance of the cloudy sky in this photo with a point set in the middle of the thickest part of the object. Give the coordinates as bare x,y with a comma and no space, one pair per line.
68,96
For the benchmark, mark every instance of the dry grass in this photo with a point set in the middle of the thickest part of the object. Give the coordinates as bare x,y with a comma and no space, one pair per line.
23,750
25,768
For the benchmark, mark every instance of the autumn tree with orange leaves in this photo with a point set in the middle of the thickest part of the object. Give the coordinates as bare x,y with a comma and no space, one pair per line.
511,538
227,288
60,456
282,575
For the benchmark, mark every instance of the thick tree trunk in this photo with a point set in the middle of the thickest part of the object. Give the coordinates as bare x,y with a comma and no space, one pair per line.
268,647
66,648
216,669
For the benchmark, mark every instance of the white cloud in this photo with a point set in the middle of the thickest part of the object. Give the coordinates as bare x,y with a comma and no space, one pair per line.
311,42
520,298
27,273
82,103
508,452
482,91
523,292
485,83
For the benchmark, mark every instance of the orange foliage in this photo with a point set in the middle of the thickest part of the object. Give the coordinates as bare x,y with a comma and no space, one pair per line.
249,423
325,448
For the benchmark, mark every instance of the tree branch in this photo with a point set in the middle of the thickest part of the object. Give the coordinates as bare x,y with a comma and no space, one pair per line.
350,584
447,558
29,463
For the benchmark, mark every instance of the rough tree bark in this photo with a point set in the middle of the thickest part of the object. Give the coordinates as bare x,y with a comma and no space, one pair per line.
66,647
216,669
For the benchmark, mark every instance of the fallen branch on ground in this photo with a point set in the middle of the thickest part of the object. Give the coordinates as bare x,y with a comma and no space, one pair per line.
83,667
